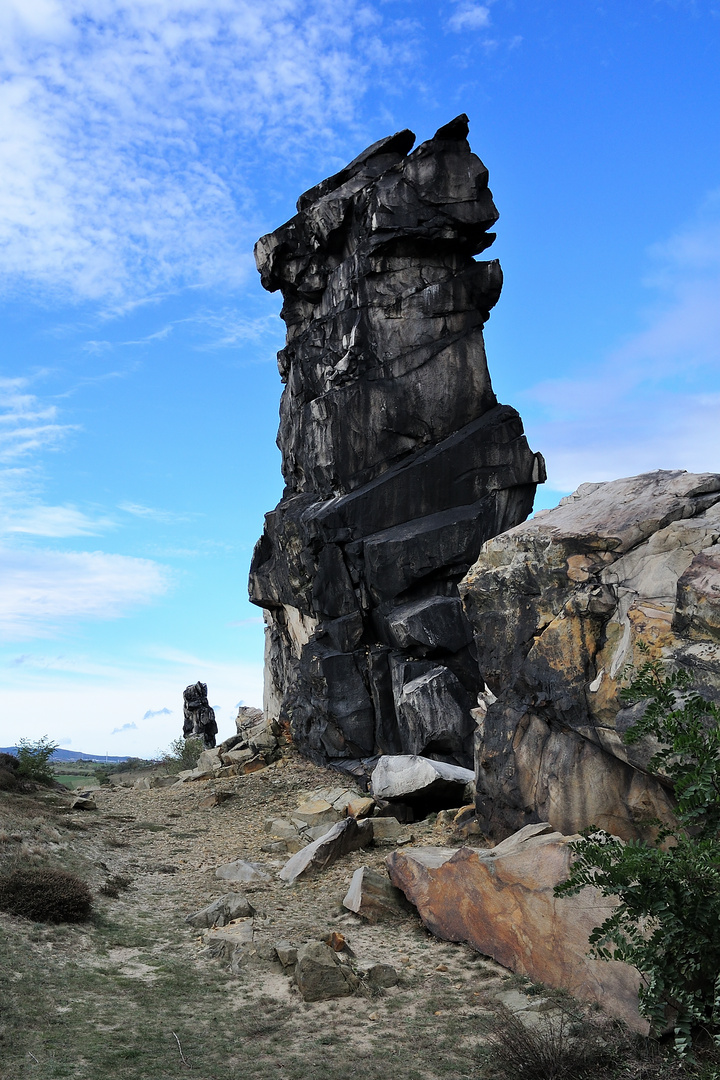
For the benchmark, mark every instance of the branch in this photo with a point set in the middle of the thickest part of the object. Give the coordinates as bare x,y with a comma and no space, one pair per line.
182,1056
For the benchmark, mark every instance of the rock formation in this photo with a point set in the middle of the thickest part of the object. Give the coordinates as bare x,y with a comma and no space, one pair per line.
559,606
198,716
501,901
398,461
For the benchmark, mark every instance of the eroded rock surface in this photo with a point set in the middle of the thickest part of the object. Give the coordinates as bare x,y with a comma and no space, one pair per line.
398,460
500,900
559,606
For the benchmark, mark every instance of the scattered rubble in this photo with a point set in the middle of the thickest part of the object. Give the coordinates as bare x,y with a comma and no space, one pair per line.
255,746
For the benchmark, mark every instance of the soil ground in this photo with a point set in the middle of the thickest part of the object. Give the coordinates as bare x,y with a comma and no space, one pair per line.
132,993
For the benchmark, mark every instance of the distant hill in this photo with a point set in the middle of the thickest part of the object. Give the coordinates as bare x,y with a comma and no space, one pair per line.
71,755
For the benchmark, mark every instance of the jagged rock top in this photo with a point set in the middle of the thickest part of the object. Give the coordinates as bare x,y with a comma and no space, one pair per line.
437,192
384,305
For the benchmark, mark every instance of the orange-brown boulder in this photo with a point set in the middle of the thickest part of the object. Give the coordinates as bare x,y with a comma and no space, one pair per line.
500,900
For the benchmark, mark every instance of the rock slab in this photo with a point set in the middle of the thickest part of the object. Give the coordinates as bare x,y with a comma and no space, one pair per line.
374,897
398,459
559,606
413,779
345,836
500,901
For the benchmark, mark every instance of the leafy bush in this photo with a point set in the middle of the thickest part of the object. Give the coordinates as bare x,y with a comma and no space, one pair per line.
34,759
182,754
667,922
9,766
45,895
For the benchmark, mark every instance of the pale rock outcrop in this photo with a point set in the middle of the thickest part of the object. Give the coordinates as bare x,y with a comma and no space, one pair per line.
500,900
419,780
398,460
559,606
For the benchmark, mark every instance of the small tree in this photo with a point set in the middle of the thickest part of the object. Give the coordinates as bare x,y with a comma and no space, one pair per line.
182,754
35,758
667,922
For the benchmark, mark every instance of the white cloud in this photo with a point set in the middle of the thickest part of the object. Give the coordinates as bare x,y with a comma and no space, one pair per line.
469,16
26,425
43,589
655,400
125,727
156,712
53,521
151,513
133,133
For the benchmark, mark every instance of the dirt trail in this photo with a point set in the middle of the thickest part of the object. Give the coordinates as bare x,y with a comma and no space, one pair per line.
131,992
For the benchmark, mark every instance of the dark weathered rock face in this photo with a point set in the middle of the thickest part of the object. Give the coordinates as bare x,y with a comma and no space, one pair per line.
399,462
198,716
559,606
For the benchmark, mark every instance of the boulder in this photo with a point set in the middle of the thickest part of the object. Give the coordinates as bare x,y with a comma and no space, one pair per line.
381,976
238,757
417,780
209,759
374,897
221,911
238,934
316,812
242,871
320,975
360,807
385,829
217,798
286,953
82,803
501,902
343,837
397,458
560,606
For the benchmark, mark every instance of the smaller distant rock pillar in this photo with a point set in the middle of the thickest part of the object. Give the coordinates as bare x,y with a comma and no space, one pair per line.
198,716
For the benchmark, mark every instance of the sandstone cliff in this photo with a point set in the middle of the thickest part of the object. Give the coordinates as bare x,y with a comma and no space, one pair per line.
398,461
558,607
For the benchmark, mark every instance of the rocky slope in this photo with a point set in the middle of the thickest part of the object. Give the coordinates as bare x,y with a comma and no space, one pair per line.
398,460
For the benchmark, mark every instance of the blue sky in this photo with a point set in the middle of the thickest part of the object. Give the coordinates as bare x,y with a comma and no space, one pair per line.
144,147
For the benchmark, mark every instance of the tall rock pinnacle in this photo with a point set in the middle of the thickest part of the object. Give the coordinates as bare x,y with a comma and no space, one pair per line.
398,461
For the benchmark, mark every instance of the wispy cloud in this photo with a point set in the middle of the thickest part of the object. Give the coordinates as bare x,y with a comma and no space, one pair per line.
26,424
53,521
152,513
133,133
156,712
654,401
469,16
125,727
43,589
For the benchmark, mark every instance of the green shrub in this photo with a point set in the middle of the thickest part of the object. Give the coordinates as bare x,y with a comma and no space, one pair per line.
9,779
182,754
45,895
34,759
667,922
